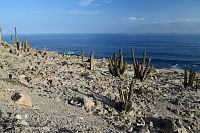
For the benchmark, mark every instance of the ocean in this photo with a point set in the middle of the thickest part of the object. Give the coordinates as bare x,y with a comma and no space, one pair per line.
179,51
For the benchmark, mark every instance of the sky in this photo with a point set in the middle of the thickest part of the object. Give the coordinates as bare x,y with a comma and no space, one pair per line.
100,16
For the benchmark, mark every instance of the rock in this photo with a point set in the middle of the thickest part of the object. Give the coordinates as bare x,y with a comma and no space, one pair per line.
23,81
36,80
132,113
54,81
57,99
145,129
88,103
24,123
22,76
22,99
181,130
98,105
46,129
19,117
3,114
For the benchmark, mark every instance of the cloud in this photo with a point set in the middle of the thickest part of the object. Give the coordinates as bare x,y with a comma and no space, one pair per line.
79,12
103,2
132,18
85,3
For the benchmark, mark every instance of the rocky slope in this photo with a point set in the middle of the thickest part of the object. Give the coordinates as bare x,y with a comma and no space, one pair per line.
67,98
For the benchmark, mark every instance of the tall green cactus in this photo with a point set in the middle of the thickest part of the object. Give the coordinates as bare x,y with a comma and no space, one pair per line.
141,70
16,35
92,61
189,78
17,39
126,98
82,57
12,39
28,46
117,67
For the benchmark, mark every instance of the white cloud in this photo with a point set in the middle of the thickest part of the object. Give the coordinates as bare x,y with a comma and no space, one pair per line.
132,18
79,12
85,3
103,2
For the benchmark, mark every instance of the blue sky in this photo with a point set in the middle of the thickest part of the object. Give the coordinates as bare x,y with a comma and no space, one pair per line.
100,16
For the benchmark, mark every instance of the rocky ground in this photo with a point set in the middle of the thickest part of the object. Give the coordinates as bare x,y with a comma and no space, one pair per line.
67,98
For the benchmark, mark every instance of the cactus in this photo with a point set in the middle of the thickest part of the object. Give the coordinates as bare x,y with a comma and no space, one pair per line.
125,98
82,57
197,85
141,70
12,39
28,46
189,78
17,39
92,61
25,47
117,67
16,35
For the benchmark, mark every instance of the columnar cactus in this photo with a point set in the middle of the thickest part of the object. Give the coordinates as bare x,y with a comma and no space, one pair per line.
82,57
125,98
189,78
17,39
117,67
12,39
141,70
92,61
16,35
28,46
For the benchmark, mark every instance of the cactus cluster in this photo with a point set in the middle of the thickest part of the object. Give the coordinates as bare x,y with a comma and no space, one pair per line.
125,95
189,78
141,70
23,46
116,66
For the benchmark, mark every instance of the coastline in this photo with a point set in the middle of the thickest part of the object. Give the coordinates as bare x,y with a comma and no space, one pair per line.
55,81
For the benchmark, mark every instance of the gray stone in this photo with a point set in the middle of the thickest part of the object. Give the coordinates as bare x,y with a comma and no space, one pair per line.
24,123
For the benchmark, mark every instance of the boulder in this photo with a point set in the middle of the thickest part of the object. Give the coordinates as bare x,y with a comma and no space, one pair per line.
22,98
181,130
88,103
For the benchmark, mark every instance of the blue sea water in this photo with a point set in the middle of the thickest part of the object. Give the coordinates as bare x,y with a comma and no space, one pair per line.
180,51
